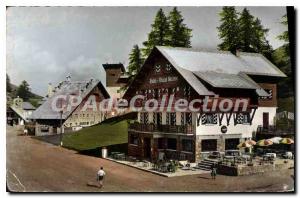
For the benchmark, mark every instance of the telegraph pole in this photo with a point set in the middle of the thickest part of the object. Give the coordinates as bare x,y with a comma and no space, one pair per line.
61,129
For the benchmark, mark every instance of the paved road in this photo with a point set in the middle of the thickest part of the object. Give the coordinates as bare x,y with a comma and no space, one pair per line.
33,165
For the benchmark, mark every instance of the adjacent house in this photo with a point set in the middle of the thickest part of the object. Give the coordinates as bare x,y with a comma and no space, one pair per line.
74,115
19,112
194,74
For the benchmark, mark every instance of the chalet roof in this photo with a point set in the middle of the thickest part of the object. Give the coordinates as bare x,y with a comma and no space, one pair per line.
220,68
220,61
114,65
78,88
223,80
28,106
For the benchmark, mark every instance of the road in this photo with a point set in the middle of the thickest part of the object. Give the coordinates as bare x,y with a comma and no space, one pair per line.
36,166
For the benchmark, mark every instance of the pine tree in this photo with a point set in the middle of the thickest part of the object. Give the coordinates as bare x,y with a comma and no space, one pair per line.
285,36
228,30
8,85
281,57
179,34
135,60
23,91
158,34
259,41
246,31
135,63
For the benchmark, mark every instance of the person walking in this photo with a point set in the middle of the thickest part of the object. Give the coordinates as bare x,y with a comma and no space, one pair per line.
100,177
213,171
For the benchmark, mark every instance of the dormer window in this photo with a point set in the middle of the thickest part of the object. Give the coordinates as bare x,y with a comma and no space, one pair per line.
157,68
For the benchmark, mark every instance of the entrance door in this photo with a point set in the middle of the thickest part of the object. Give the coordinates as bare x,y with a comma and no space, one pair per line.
231,144
265,120
147,148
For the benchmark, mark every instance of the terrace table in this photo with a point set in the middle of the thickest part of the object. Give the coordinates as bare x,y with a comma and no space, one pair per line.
120,156
113,154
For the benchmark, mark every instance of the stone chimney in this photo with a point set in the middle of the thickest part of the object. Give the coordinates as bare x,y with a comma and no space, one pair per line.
50,90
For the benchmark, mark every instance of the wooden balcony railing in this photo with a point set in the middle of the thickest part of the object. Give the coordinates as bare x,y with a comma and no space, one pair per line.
185,129
275,130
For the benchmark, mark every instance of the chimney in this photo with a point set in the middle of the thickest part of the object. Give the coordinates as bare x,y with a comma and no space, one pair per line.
50,90
68,78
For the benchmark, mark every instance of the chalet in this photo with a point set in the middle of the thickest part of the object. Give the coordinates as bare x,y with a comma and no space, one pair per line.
48,120
19,112
195,74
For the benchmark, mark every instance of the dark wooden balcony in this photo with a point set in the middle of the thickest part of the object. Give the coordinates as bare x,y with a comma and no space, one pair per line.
185,129
275,130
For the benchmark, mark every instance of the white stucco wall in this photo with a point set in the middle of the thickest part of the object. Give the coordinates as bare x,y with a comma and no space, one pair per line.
244,129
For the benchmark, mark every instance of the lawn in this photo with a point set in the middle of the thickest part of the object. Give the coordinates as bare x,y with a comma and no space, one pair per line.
100,135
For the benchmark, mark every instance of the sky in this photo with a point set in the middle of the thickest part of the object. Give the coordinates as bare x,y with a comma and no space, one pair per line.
45,44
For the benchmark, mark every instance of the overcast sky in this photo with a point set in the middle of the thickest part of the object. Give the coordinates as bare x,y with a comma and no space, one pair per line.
45,44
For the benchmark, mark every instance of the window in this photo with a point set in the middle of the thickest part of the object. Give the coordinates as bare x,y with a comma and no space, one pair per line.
171,119
168,67
157,118
144,118
157,68
243,118
172,143
187,145
188,118
161,143
209,118
133,139
208,145
187,91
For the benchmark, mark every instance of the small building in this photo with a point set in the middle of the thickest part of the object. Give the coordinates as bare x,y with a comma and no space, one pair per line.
71,97
19,112
194,74
115,79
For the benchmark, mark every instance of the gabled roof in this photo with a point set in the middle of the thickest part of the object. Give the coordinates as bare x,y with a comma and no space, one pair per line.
19,112
77,88
220,61
220,69
28,106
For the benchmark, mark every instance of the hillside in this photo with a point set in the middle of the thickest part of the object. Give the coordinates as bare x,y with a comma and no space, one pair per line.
34,98
106,134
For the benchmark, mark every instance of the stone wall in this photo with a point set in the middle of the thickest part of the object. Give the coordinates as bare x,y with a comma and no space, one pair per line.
251,170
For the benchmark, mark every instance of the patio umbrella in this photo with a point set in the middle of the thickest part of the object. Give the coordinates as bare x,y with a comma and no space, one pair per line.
244,145
251,142
287,141
264,142
276,140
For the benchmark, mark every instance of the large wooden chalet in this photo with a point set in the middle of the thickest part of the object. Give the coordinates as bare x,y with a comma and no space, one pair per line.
194,74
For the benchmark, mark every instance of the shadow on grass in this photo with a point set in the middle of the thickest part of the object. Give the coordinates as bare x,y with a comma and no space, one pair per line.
122,148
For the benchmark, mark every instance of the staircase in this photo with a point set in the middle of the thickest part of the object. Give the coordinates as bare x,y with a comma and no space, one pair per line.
206,164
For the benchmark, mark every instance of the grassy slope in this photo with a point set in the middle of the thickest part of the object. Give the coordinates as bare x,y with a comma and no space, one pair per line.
97,136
